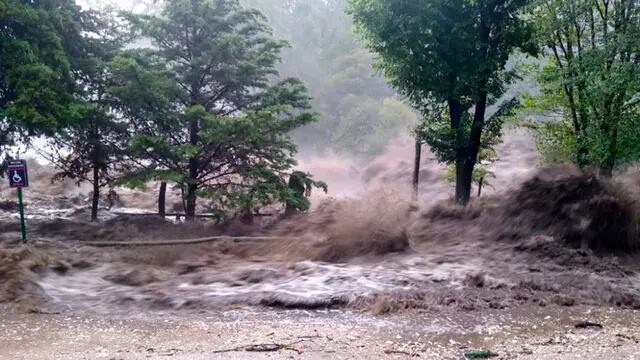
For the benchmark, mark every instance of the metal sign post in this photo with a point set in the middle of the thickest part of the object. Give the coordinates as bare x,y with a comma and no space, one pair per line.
19,178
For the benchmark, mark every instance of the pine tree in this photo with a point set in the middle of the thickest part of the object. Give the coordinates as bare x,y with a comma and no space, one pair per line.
207,112
93,147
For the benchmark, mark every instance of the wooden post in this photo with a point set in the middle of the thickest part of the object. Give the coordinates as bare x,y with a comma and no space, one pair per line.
23,227
416,169
161,199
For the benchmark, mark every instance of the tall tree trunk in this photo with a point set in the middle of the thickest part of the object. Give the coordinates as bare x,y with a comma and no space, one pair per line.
464,178
416,168
162,195
463,187
97,162
190,209
473,149
246,216
467,154
95,200
192,186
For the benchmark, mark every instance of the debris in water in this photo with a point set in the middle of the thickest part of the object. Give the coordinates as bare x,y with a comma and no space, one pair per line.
588,325
271,347
479,354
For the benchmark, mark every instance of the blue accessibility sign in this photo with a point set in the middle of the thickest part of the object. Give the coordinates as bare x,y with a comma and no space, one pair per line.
18,176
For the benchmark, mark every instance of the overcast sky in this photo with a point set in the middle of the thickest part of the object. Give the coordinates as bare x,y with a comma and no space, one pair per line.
131,5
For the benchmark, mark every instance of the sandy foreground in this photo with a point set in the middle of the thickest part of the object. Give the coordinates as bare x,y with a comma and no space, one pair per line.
524,333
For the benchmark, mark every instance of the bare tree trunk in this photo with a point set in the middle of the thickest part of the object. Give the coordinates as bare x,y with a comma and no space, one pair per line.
464,177
95,200
161,199
190,209
246,217
96,157
480,183
416,169
192,186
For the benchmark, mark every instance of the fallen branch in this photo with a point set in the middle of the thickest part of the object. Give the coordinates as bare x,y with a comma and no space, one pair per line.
627,337
587,325
400,352
180,215
169,214
269,347
184,241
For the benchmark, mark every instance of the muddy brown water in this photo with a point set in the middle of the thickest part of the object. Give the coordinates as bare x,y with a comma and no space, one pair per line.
461,276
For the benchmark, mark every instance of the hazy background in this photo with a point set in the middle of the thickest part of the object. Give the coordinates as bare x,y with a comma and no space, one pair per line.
360,113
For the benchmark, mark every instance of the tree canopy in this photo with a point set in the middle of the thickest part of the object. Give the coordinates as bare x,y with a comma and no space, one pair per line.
592,79
207,109
37,86
450,52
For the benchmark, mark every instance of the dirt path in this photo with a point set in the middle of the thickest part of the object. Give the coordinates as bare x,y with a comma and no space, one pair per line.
534,333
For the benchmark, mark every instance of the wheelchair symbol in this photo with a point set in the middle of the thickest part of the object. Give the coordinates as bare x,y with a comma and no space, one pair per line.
16,177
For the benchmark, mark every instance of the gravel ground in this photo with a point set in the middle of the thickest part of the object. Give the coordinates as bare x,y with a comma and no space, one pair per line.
524,333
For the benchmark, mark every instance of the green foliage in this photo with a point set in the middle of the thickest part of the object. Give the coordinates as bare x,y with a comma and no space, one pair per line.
592,79
36,83
448,55
205,104
299,189
480,172
444,140
91,148
555,141
437,49
293,194
367,125
438,133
